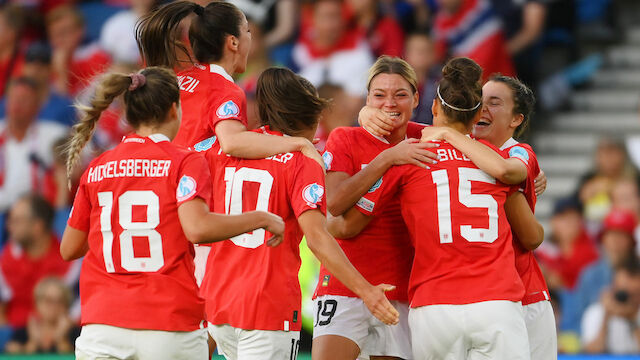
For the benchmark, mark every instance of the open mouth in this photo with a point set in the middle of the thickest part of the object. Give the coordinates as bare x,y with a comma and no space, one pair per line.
393,114
483,123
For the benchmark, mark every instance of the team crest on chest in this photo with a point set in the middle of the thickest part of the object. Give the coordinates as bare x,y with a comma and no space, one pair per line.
186,188
312,194
228,109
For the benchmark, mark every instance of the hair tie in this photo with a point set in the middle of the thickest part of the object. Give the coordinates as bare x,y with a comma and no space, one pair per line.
137,80
199,10
454,107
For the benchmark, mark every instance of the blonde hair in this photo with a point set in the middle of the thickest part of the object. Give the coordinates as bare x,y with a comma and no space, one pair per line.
393,65
39,289
149,103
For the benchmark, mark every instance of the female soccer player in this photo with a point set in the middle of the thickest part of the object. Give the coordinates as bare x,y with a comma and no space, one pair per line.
507,106
212,103
137,211
464,289
252,292
356,160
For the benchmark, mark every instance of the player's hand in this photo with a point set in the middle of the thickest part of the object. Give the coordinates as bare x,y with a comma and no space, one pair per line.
375,121
274,225
412,151
431,133
379,305
540,183
311,152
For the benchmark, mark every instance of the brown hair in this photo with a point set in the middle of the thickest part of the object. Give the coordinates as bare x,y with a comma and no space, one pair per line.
523,99
460,88
158,35
393,65
149,103
287,102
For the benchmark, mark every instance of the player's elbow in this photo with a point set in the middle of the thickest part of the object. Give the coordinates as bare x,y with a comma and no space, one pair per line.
66,254
196,234
229,146
535,238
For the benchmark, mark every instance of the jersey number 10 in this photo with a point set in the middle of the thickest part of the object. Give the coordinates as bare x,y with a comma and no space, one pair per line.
131,228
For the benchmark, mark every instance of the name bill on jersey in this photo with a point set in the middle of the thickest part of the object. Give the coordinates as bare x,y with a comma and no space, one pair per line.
187,83
129,168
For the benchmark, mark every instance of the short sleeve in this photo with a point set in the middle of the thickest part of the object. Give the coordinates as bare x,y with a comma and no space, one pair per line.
306,187
227,106
381,192
78,218
337,153
194,179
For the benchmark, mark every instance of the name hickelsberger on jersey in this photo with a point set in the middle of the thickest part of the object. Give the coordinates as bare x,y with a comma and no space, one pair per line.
129,168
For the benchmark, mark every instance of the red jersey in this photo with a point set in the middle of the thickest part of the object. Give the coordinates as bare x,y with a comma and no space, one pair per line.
247,284
349,150
138,273
208,95
22,274
526,264
456,219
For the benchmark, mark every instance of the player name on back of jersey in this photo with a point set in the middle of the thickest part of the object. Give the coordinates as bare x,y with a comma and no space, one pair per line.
450,154
129,168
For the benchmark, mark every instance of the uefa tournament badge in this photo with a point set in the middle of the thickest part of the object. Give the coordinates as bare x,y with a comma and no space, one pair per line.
227,109
312,194
186,188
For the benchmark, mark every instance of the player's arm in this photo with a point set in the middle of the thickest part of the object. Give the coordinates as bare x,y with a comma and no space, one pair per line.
509,171
326,249
523,222
74,244
201,226
349,224
344,191
236,141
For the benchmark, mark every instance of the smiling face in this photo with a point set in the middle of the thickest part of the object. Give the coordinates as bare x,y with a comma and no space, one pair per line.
394,95
497,122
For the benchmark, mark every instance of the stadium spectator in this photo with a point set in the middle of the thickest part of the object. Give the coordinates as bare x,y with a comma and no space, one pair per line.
11,56
31,254
420,54
571,248
74,64
617,250
55,107
523,24
384,34
25,142
626,195
594,189
471,28
612,324
117,37
328,54
278,20
49,329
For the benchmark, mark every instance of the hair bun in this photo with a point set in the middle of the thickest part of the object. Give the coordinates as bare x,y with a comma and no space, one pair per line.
462,70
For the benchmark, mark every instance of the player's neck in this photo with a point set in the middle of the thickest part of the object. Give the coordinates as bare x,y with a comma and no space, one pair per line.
227,63
459,127
165,129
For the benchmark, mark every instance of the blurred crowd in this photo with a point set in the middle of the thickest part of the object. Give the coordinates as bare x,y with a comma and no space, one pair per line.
52,51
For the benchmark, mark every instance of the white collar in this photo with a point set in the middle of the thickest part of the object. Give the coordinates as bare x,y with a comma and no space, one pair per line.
509,143
158,137
217,69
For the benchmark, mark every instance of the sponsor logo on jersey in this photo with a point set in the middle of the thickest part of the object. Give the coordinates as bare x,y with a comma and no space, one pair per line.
186,188
327,157
205,144
312,194
325,280
227,110
366,204
376,186
520,153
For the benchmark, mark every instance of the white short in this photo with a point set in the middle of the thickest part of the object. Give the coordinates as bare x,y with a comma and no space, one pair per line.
97,341
485,330
541,327
200,261
236,343
349,317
